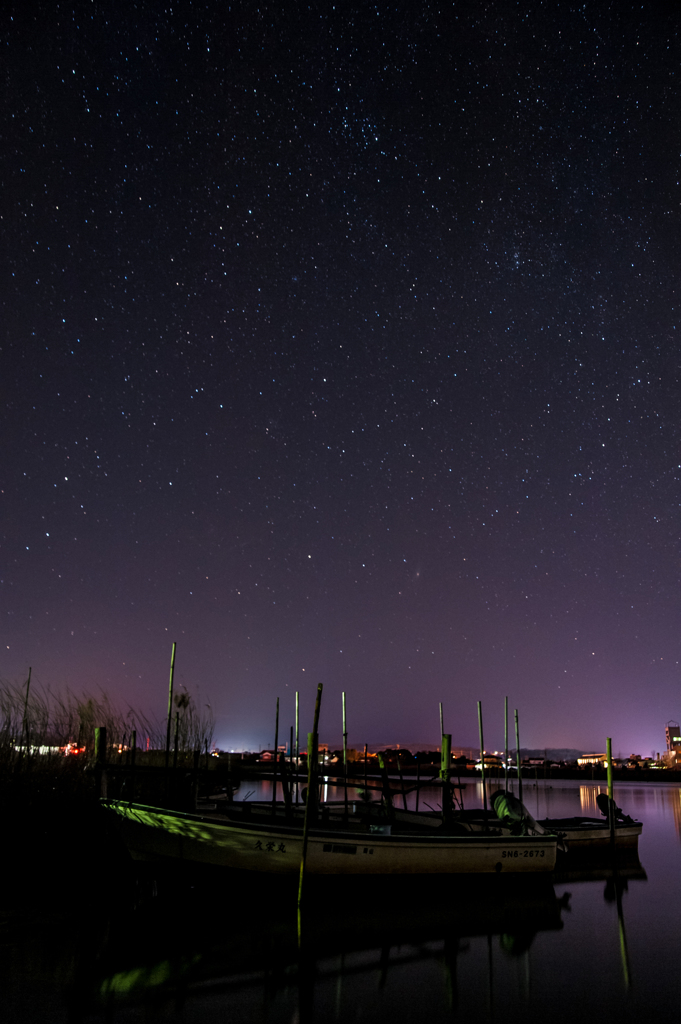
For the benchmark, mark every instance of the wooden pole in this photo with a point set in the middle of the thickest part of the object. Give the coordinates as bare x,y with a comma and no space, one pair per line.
418,784
177,738
274,766
506,744
25,730
311,770
170,703
611,800
297,743
387,792
442,721
345,755
482,760
195,773
133,754
445,764
445,755
518,761
100,759
100,744
399,772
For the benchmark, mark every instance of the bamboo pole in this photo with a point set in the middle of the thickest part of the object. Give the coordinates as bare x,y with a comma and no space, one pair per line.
399,772
442,721
482,760
387,792
177,736
25,729
345,756
518,762
170,703
100,744
445,755
445,763
133,753
506,744
297,744
310,799
285,785
274,766
100,760
611,800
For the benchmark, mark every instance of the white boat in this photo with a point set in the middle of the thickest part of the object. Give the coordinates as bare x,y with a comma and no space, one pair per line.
274,847
584,834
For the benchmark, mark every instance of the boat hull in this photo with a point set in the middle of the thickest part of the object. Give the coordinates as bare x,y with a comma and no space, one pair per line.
152,833
583,834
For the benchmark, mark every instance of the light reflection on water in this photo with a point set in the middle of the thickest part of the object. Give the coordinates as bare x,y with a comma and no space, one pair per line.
554,799
603,947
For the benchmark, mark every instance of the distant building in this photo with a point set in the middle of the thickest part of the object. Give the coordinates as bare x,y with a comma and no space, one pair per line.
672,735
586,759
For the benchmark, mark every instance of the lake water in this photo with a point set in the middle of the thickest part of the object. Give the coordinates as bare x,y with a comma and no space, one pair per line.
170,948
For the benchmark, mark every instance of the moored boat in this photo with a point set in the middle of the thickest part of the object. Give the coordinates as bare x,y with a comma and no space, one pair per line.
270,844
576,835
583,834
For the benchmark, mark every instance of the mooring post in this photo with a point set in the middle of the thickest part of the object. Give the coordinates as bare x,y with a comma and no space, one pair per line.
100,760
611,799
445,767
387,792
506,744
133,756
297,745
25,730
177,739
311,770
274,766
445,755
170,704
345,757
518,761
195,777
285,785
482,761
399,772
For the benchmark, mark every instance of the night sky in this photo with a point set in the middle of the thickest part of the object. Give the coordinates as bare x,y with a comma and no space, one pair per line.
339,344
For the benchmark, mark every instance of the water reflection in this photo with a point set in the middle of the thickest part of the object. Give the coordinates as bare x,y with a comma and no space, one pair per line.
614,889
361,945
595,941
676,811
587,799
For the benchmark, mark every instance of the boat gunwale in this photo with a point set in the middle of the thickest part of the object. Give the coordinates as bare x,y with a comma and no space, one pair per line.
360,838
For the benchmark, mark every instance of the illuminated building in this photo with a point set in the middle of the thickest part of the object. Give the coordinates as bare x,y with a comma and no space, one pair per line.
594,759
672,735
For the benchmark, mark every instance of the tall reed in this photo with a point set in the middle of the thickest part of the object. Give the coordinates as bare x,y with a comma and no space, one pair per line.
49,721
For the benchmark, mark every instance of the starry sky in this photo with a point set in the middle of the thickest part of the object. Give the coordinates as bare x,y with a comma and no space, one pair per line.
339,344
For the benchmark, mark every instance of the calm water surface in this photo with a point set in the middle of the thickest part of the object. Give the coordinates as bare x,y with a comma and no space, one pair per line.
578,948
